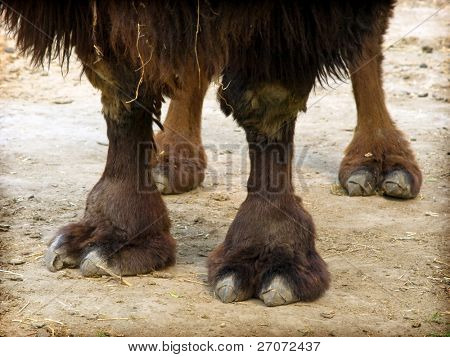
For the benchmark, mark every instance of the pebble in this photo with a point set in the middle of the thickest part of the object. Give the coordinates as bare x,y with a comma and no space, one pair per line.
219,196
423,65
431,214
43,333
422,95
62,101
16,261
162,275
427,49
416,324
16,278
38,324
10,49
328,315
199,220
4,227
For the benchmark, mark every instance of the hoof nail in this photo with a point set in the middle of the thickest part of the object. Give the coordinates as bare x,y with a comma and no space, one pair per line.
53,261
397,184
226,290
361,183
277,293
161,181
354,189
92,265
272,298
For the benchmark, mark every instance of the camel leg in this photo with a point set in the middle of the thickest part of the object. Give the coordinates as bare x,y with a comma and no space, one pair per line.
379,157
181,156
269,250
125,229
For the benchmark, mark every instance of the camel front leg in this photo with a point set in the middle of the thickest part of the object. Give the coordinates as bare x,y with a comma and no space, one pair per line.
269,251
125,229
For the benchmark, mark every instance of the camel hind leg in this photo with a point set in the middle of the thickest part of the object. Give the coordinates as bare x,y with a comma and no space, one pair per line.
379,157
181,157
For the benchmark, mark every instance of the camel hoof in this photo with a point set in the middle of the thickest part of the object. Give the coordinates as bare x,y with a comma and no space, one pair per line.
361,183
227,290
277,292
93,265
56,257
162,182
53,262
397,184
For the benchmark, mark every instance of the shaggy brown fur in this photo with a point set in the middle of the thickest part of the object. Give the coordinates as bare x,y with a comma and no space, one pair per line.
269,55
292,41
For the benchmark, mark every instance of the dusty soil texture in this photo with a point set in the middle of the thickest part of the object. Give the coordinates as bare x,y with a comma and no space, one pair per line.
389,259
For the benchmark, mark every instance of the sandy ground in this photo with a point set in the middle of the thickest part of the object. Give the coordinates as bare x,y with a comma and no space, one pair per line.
389,259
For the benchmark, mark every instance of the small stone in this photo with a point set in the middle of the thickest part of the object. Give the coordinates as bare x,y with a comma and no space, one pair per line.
4,227
416,324
427,49
204,316
303,332
337,190
10,49
431,214
199,220
42,332
62,101
38,324
328,315
422,95
218,196
423,65
162,275
16,278
16,261
222,324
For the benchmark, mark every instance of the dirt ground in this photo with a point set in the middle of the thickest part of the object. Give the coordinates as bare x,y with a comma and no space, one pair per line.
389,259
